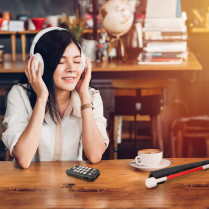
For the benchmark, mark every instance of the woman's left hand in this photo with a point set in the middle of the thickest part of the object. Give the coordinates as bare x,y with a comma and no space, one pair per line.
82,86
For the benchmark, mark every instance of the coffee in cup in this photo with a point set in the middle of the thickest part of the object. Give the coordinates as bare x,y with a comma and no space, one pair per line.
149,157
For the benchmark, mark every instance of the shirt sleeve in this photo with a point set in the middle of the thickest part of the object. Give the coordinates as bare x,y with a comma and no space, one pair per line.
99,114
17,116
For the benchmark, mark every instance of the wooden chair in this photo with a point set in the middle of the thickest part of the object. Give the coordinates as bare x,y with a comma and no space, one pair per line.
140,99
188,131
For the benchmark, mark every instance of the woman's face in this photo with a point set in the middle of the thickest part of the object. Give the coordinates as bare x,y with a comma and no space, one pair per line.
69,69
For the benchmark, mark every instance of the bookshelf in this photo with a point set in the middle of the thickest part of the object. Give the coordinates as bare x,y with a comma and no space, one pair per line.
13,42
23,35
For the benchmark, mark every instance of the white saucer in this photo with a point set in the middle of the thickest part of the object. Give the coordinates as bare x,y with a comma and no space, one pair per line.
164,163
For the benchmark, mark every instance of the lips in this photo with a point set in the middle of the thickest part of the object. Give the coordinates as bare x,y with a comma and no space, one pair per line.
69,79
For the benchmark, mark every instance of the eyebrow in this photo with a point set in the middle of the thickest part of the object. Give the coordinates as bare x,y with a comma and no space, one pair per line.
73,57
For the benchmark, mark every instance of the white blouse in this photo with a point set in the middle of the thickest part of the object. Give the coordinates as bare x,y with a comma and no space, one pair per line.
58,142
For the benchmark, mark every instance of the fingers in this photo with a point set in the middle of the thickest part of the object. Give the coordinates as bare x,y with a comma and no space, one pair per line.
27,67
88,62
30,69
88,69
78,84
39,73
26,71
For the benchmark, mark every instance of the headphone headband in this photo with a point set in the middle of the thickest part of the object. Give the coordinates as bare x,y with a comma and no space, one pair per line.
38,36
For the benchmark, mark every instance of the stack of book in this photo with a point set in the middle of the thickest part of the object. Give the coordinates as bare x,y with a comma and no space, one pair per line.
164,38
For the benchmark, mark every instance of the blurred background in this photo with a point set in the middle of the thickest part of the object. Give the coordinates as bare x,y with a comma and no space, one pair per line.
184,98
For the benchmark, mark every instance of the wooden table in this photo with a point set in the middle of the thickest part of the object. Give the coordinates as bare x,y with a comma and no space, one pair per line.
119,69
45,185
131,69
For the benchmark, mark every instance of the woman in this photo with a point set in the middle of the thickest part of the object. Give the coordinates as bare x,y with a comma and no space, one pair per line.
51,117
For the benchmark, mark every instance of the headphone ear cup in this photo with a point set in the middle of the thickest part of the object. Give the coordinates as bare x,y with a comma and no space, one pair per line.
38,58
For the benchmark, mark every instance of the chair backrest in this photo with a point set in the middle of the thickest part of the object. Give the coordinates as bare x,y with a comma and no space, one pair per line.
137,101
133,96
192,125
189,130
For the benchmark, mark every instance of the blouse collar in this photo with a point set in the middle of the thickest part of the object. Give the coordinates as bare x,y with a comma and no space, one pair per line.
74,106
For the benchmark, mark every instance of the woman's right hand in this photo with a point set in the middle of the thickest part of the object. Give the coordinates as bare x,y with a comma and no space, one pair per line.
35,79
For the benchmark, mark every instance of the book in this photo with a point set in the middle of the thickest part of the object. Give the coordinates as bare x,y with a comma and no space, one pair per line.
158,59
161,8
178,8
148,55
160,62
166,29
165,38
164,22
164,33
175,46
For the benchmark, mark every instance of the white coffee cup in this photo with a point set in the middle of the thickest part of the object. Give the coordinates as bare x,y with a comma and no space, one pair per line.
149,157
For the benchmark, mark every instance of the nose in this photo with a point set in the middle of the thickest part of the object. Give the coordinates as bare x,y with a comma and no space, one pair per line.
70,67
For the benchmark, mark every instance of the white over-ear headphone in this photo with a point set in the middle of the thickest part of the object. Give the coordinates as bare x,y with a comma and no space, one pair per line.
38,57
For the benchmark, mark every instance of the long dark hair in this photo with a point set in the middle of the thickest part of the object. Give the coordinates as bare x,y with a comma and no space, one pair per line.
51,46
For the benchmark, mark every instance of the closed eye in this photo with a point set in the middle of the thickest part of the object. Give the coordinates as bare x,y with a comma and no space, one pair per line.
62,61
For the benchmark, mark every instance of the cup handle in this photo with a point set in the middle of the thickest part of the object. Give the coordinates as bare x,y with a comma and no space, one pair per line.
136,160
